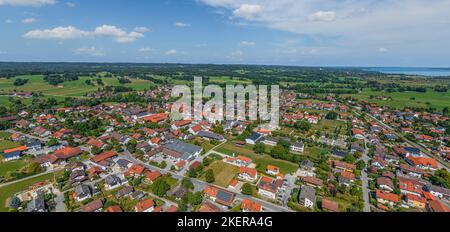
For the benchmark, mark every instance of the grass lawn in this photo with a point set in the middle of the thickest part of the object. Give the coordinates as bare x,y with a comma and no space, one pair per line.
76,88
223,173
260,160
5,135
412,99
8,191
328,125
6,144
11,166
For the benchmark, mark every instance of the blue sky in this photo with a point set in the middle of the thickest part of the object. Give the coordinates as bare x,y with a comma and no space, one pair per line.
283,32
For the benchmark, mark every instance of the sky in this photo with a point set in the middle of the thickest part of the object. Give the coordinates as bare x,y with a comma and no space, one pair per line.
413,33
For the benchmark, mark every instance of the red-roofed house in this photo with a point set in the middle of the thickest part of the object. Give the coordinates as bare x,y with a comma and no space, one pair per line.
387,198
248,174
145,206
251,206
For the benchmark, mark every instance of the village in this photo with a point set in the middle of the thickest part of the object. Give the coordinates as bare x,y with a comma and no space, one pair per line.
330,153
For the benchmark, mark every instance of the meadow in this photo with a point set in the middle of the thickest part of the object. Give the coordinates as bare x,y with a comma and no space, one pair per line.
261,161
8,191
223,173
413,99
78,88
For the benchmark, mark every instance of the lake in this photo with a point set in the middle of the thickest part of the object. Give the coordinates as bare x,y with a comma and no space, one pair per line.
435,72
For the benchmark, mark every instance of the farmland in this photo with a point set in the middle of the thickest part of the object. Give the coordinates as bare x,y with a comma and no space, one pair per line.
401,99
223,172
11,166
76,88
7,191
260,160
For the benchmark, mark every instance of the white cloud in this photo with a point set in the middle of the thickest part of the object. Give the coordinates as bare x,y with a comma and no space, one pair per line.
35,3
237,53
247,11
171,52
247,43
351,25
62,33
118,34
28,20
323,16
147,49
181,24
8,21
383,50
141,29
91,51
71,4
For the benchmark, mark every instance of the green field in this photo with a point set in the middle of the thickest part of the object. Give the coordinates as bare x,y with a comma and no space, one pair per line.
7,144
76,88
11,166
7,191
260,160
412,99
223,173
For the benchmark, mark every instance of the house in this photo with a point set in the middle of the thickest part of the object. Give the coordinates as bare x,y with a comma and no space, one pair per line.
68,152
411,171
179,150
94,206
424,163
210,136
14,153
312,181
243,161
195,129
338,153
181,124
136,195
104,156
437,191
114,209
356,147
297,147
385,184
35,145
220,196
145,206
151,176
250,206
410,186
415,201
438,207
343,166
358,134
386,198
112,182
306,168
12,156
233,184
124,192
307,196
248,174
346,178
272,170
330,206
254,138
268,187
136,170
124,164
37,205
83,192
269,141
208,207
95,143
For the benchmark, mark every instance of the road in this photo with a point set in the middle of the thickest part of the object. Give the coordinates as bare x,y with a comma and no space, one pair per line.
442,163
199,184
364,179
30,177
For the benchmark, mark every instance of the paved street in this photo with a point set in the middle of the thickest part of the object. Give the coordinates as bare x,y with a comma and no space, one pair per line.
364,180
